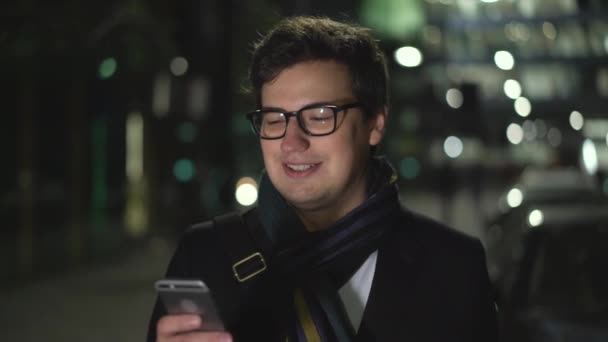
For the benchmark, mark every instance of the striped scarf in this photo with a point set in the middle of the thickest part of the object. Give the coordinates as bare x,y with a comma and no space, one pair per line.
315,265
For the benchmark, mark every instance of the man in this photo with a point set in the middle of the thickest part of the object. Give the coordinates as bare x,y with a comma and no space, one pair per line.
345,262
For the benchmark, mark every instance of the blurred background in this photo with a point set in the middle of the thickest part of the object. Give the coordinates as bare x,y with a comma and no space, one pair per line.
124,122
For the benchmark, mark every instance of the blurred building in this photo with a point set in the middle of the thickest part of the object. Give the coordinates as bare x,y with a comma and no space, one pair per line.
125,118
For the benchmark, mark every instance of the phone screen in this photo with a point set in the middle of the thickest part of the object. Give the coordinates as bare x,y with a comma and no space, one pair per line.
182,296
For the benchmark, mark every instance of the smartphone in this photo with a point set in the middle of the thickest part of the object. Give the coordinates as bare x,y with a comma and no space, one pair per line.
181,296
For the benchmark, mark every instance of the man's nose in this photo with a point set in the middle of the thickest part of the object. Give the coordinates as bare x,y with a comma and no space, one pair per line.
295,140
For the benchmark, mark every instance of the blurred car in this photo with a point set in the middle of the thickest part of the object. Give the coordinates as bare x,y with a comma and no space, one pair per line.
547,252
557,287
536,187
551,185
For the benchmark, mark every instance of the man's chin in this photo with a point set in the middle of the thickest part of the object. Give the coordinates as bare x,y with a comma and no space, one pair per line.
304,202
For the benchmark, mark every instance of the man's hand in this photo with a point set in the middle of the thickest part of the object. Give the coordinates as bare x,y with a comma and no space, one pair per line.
183,328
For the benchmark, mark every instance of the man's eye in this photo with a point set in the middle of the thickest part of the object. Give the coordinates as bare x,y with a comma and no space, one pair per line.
273,119
321,118
320,115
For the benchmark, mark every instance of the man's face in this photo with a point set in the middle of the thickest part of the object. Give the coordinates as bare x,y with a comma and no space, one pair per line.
323,175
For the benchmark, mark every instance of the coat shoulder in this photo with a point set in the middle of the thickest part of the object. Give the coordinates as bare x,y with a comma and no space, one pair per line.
424,235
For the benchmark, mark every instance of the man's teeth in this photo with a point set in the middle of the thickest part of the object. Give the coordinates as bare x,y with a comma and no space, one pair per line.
300,167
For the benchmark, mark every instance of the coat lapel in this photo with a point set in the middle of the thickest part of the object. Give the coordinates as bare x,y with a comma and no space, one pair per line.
400,261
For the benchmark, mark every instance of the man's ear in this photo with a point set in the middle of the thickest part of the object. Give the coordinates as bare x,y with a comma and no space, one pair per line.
377,126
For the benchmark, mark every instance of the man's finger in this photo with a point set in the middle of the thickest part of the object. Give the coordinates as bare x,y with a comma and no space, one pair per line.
174,324
206,336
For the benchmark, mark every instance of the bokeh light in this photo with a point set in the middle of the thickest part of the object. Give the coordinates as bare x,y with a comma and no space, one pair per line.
184,170
246,192
409,168
529,128
522,106
515,133
504,60
178,66
107,68
549,30
536,218
408,56
554,136
453,147
515,197
512,89
589,155
454,98
576,120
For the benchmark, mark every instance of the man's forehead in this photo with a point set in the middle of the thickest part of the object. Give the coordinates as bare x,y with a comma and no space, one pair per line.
323,82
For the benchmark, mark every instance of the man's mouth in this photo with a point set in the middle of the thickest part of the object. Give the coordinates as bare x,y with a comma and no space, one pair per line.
301,170
300,167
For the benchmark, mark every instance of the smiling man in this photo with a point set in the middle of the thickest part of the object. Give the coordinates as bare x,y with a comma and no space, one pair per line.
330,253
318,163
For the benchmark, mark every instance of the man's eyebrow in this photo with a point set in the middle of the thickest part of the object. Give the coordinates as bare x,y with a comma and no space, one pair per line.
274,109
321,103
312,104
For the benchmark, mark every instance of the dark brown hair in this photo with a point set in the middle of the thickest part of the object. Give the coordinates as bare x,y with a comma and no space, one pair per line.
300,39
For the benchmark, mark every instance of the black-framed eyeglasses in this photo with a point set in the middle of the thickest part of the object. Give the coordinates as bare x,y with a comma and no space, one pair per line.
314,120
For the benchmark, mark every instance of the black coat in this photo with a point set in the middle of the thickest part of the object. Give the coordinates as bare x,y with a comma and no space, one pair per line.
430,284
